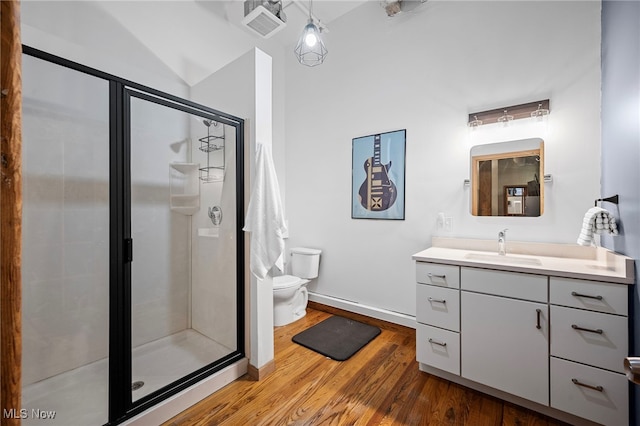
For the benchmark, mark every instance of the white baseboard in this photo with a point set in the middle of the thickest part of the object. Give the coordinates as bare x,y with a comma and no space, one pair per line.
358,308
173,406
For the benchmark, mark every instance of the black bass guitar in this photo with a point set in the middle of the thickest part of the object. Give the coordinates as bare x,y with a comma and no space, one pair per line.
377,192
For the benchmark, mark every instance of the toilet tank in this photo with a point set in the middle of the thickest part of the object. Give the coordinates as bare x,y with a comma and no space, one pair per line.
304,262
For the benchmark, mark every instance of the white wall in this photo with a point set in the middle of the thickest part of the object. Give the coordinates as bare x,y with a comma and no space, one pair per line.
425,72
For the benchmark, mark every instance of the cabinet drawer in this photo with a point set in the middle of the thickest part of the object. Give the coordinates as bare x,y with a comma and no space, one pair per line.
609,406
438,348
605,346
595,296
438,306
508,284
437,274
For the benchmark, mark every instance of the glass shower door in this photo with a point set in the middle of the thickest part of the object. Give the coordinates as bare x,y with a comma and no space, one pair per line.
183,273
65,271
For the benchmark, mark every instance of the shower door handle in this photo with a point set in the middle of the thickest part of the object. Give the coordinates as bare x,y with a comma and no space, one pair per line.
128,250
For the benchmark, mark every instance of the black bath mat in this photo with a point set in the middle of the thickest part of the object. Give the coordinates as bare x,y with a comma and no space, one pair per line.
337,337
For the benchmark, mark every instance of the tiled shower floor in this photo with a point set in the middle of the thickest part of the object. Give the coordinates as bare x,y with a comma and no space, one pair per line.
79,397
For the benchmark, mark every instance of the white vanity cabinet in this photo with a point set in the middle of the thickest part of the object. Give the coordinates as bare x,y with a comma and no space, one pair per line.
549,343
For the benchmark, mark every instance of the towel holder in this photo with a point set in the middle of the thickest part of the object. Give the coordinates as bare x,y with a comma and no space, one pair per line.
613,199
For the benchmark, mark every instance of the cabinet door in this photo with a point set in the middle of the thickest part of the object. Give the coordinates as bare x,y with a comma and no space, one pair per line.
503,347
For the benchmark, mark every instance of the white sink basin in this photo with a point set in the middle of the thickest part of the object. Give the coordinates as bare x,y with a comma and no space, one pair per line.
490,257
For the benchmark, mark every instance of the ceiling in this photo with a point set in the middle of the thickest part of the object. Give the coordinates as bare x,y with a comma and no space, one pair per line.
192,38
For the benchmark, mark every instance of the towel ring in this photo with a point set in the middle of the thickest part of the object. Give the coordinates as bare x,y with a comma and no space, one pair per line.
613,199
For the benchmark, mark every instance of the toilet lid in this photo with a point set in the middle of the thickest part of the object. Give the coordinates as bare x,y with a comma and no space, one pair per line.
285,281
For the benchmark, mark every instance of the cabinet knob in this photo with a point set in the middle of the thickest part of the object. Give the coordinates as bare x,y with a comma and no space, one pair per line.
431,299
435,342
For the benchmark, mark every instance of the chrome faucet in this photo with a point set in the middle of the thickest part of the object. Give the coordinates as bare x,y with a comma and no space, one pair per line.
502,242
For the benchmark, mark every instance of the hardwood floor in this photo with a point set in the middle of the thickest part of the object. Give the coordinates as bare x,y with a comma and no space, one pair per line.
379,385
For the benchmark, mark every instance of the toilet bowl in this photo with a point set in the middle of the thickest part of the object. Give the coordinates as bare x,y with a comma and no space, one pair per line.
290,299
290,294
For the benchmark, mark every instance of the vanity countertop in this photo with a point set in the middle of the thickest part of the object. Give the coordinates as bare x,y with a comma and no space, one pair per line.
560,260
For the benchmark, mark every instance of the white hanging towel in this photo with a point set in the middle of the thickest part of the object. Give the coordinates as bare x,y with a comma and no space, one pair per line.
265,216
596,221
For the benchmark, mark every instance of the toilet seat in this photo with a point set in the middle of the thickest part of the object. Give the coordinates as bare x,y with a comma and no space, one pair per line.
285,281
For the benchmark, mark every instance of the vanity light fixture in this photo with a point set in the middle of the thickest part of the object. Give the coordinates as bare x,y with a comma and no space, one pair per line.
475,123
505,118
536,110
310,49
540,113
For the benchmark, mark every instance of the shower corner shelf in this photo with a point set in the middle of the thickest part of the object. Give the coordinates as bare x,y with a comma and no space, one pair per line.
184,192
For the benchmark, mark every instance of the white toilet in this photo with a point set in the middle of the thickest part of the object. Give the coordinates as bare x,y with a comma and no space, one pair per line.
290,295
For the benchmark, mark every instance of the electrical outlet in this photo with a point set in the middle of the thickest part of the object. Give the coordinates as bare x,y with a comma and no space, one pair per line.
448,224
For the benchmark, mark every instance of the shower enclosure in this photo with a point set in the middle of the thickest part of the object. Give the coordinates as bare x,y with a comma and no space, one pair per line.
132,251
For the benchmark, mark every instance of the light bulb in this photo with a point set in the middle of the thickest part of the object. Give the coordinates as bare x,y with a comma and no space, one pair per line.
310,39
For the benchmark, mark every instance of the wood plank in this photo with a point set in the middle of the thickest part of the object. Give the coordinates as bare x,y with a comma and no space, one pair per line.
380,385
10,212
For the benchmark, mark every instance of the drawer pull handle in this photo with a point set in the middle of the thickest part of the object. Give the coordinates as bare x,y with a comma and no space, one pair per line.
595,388
575,327
430,275
538,313
431,299
573,293
435,342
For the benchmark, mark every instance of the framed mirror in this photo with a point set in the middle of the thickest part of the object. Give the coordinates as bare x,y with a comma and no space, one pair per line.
506,178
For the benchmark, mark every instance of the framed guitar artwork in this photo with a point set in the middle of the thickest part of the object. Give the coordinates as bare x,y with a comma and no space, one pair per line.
377,176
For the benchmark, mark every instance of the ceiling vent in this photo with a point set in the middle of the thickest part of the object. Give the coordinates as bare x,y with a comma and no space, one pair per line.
261,20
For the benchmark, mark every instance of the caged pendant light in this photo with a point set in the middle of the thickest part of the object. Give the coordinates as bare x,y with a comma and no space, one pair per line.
310,49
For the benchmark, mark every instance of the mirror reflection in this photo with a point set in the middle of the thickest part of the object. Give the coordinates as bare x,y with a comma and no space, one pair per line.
505,178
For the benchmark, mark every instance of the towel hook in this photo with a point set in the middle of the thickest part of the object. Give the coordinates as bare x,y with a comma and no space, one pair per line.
613,199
